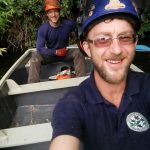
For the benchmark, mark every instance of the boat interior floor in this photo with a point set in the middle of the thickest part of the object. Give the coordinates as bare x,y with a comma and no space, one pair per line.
32,114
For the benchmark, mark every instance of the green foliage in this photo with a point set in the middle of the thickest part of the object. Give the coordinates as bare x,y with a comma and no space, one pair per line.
6,14
28,16
20,19
145,17
2,50
66,7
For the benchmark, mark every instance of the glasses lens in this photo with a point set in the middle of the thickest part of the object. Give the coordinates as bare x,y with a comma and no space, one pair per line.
127,39
105,40
102,41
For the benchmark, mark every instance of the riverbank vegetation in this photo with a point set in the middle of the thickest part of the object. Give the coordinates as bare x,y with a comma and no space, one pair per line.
19,20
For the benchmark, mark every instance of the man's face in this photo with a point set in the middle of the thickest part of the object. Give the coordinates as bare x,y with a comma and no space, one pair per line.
53,15
111,47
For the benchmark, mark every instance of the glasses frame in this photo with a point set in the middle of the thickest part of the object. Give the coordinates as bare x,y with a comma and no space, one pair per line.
110,40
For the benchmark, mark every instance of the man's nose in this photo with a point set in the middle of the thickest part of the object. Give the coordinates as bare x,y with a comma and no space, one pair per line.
116,47
53,13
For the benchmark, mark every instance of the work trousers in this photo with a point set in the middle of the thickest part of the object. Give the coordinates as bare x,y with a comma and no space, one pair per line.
37,60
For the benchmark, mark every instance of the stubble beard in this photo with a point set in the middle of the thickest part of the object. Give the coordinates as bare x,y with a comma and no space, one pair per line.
112,76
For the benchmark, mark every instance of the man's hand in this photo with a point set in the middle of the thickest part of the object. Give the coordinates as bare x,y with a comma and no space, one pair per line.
61,52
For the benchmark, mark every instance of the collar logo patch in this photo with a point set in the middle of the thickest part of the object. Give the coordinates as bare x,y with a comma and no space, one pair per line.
114,4
137,122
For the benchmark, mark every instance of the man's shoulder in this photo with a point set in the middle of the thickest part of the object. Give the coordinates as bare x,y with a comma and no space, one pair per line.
140,75
68,22
44,26
139,78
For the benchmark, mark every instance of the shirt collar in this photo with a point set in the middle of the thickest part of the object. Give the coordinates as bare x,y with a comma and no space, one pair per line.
95,97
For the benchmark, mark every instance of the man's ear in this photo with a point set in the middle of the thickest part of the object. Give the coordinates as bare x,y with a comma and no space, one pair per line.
86,48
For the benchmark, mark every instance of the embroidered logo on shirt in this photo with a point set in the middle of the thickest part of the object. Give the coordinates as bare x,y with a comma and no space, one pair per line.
114,4
137,122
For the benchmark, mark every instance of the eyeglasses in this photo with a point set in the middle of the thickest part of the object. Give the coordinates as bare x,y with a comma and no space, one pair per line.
106,40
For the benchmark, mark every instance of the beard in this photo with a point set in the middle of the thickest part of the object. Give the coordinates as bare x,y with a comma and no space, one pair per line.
113,76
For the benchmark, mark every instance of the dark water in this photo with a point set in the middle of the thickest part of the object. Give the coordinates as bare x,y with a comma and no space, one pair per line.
7,60
142,60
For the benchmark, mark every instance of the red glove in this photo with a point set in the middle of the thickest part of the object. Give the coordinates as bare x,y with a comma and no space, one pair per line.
61,52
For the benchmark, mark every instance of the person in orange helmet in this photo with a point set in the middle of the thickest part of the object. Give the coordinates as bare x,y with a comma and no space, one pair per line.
52,40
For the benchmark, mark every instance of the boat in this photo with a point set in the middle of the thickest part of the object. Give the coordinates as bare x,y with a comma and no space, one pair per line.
142,48
26,109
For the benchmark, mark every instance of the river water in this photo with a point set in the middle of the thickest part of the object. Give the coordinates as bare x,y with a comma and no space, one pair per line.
7,60
142,60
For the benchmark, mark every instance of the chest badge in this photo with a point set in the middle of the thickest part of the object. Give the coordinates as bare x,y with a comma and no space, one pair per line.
137,122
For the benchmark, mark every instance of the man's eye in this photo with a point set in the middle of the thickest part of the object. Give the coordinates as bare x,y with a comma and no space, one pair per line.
103,38
126,37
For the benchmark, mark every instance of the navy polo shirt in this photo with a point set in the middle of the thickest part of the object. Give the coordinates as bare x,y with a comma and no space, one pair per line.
85,114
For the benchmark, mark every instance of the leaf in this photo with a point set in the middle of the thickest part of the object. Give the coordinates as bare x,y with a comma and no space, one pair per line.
2,50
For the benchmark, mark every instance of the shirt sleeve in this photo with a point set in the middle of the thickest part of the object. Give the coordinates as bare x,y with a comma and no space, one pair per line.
41,42
67,118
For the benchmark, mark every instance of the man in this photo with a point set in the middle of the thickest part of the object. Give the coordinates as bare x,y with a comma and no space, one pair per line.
111,109
52,40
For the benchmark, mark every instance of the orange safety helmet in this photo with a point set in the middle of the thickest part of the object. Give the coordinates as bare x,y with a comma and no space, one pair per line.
51,4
